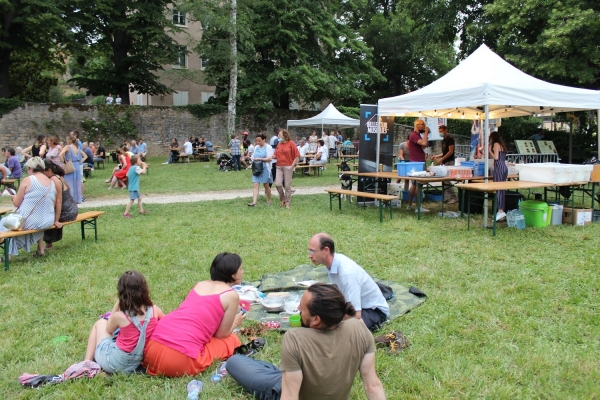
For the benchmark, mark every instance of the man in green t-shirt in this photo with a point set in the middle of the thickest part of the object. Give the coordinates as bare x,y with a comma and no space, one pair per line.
319,360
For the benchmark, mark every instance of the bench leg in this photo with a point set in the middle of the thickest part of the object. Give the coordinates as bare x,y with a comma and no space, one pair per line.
92,223
330,202
6,245
380,211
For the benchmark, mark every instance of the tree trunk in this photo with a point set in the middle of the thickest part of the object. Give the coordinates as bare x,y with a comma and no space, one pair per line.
284,101
233,72
4,73
121,44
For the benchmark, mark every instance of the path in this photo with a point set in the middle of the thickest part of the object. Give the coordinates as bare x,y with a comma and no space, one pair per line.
193,197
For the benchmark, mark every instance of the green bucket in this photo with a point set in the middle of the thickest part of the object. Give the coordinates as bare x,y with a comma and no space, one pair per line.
535,213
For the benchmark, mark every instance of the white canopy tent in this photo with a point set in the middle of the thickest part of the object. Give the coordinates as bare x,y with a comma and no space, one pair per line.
329,116
486,86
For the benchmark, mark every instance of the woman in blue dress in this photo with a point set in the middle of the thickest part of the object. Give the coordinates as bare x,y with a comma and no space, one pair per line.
262,152
71,153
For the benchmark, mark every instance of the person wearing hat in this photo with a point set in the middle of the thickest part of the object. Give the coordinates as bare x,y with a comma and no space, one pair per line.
36,202
245,141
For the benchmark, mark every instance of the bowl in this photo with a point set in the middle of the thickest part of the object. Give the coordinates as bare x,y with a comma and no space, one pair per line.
272,304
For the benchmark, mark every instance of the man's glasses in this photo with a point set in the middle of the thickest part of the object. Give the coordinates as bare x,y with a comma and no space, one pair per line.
312,252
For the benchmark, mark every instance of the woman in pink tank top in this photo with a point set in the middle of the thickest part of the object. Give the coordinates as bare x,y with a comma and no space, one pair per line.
187,340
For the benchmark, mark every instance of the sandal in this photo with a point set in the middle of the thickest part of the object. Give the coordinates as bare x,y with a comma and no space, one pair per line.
37,254
127,215
251,348
251,204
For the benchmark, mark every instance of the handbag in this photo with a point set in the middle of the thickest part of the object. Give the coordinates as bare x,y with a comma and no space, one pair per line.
68,167
14,221
257,168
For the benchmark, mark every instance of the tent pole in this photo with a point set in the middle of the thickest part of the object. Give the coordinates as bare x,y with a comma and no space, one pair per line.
377,147
598,132
486,139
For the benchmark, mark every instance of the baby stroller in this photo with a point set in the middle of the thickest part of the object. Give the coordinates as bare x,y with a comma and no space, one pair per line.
225,162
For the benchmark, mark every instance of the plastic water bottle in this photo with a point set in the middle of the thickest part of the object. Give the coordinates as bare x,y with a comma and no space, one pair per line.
194,388
220,373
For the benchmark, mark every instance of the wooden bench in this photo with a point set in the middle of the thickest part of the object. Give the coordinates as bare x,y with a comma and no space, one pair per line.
98,162
316,168
87,172
384,199
10,183
87,219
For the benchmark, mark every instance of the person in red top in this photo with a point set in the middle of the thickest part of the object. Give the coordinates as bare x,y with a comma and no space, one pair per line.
287,156
416,145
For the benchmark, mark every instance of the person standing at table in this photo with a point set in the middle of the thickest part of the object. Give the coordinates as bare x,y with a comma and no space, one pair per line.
417,142
446,157
498,153
404,155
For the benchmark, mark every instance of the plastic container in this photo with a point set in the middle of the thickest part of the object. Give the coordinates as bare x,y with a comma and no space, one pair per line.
440,170
406,166
460,172
478,167
557,211
458,161
273,304
535,212
295,321
554,172
434,195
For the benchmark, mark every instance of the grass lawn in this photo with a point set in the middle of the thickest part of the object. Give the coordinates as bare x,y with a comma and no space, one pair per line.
512,316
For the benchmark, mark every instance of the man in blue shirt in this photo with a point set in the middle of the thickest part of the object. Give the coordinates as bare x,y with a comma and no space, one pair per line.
134,148
12,163
90,156
354,282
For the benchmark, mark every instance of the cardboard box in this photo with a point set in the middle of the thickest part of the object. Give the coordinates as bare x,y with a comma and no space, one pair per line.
583,216
595,176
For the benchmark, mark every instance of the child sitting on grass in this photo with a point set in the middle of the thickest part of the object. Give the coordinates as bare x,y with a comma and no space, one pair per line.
133,178
135,316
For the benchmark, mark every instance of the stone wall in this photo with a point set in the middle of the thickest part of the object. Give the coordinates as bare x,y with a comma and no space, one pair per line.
156,125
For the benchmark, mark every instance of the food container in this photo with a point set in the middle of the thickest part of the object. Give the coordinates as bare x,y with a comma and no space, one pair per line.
478,167
405,167
271,322
460,172
272,304
295,320
440,170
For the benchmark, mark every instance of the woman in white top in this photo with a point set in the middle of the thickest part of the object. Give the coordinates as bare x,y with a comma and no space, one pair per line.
312,141
322,153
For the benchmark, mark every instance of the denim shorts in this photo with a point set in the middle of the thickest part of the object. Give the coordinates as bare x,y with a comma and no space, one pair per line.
112,359
134,194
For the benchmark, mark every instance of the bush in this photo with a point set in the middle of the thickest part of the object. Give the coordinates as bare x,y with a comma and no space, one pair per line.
56,95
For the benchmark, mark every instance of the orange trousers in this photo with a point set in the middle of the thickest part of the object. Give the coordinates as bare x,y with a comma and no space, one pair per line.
162,360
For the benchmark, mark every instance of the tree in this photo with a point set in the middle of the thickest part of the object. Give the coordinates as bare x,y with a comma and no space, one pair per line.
34,29
121,44
557,41
290,50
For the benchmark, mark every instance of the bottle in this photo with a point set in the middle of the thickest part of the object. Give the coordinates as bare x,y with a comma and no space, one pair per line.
220,373
194,388
380,167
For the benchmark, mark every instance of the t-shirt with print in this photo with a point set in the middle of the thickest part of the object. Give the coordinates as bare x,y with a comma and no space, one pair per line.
328,360
133,178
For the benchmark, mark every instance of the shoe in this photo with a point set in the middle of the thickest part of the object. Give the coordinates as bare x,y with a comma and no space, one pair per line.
423,210
37,254
395,341
145,212
165,163
82,199
84,180
409,207
107,181
127,215
268,203
453,201
251,204
292,191
500,216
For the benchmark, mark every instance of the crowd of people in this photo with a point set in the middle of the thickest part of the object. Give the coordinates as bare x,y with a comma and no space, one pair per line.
319,360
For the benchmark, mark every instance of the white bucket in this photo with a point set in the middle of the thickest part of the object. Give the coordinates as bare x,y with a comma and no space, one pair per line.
457,161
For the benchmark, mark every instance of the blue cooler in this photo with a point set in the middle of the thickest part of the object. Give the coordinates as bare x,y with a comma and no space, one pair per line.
405,167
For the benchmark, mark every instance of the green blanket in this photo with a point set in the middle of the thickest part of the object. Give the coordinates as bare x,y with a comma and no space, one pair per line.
402,302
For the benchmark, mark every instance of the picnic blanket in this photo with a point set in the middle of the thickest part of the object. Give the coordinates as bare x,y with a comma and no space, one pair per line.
404,300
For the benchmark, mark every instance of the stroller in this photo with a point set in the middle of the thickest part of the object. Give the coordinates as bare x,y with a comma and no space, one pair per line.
225,162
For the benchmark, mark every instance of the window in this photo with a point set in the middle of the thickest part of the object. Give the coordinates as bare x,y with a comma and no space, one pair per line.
204,63
179,18
206,96
180,98
181,60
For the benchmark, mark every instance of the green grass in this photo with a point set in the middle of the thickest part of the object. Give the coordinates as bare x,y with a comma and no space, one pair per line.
512,316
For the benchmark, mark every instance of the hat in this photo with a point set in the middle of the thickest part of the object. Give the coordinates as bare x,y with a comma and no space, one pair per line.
245,133
34,163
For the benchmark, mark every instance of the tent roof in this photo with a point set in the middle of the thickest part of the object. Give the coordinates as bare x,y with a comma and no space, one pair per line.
485,78
329,116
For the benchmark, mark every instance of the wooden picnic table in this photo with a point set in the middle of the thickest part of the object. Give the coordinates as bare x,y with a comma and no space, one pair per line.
4,210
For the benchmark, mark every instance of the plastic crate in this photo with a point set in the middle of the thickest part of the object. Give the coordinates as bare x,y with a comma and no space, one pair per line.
434,195
405,167
478,167
596,216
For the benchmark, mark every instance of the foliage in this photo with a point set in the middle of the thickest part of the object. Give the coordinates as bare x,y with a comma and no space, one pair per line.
352,112
121,45
556,42
114,124
98,100
56,95
7,105
496,312
290,50
202,111
29,44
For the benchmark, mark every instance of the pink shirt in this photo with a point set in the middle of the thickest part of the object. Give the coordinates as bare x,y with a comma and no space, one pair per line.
129,335
188,328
